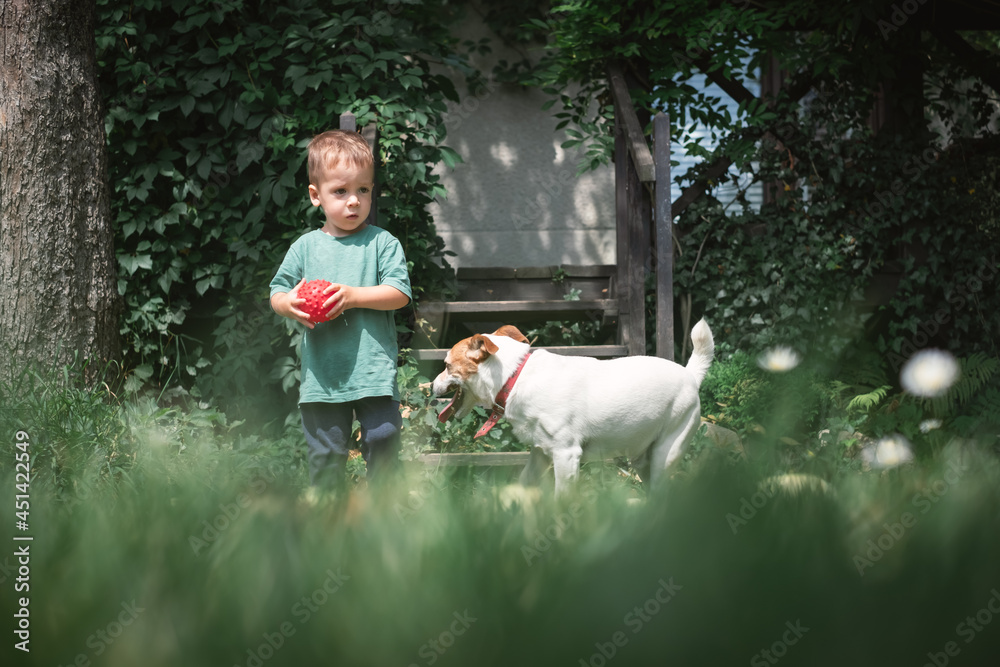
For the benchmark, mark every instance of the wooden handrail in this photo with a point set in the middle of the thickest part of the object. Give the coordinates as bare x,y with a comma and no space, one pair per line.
633,213
637,147
664,238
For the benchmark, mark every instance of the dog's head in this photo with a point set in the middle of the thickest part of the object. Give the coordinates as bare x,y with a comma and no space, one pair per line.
461,372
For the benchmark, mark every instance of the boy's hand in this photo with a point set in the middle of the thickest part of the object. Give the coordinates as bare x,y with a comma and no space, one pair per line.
343,297
287,305
377,297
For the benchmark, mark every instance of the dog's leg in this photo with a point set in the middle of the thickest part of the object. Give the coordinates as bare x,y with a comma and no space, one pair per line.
668,450
537,464
566,463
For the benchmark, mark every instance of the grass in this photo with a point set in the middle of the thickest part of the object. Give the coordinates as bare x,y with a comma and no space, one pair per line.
195,547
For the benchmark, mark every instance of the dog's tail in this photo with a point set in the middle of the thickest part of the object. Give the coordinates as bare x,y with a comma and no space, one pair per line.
704,350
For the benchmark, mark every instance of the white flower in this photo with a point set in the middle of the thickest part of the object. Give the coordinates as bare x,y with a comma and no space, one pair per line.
928,425
779,359
888,452
929,373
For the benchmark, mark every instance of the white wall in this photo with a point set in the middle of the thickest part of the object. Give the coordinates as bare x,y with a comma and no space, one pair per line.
516,200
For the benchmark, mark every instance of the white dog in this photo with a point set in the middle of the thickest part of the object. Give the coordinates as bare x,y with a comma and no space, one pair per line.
575,407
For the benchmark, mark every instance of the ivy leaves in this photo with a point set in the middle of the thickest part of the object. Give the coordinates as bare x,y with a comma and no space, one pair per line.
210,105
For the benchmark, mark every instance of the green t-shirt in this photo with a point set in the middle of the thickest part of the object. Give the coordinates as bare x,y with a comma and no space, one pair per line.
353,356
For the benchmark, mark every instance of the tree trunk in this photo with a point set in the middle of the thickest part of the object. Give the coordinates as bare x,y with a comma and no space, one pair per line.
58,293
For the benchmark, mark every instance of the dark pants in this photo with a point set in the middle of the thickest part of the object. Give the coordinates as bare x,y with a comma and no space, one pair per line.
327,427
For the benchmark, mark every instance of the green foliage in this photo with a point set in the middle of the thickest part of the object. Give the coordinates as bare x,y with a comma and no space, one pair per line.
855,214
565,332
88,439
865,402
75,430
206,557
868,403
981,417
210,106
758,404
977,371
422,432
590,331
796,414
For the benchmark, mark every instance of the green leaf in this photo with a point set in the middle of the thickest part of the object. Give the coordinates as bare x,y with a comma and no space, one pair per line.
187,104
279,195
450,157
410,81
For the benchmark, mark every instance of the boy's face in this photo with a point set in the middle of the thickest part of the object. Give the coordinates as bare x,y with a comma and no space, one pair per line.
344,192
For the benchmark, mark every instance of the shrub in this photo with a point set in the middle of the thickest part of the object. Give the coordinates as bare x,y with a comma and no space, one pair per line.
872,234
762,405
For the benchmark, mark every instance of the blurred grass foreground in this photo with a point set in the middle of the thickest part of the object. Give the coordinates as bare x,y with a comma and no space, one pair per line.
160,540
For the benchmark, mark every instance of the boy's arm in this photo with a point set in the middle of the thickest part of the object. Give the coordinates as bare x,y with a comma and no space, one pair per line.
286,284
378,297
287,305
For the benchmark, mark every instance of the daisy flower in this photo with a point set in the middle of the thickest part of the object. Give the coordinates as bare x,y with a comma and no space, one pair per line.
889,452
929,373
928,425
779,359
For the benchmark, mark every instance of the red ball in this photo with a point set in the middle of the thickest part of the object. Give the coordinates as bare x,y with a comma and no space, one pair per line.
312,292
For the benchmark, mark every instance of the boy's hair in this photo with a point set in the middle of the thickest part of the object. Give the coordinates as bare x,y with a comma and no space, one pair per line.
328,149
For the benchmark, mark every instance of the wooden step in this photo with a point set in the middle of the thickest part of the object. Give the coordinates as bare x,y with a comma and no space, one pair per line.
492,296
476,459
600,351
534,283
536,272
518,311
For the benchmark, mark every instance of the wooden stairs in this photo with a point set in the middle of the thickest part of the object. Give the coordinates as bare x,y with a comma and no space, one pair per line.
615,294
491,297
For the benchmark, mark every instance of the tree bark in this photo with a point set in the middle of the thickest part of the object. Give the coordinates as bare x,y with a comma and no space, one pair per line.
58,293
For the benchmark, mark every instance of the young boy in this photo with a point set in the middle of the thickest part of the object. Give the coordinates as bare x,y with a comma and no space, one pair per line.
349,362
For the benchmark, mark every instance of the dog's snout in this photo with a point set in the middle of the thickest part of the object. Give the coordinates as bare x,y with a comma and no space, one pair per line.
443,384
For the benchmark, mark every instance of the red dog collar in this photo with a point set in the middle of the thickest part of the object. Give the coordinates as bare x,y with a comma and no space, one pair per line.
500,404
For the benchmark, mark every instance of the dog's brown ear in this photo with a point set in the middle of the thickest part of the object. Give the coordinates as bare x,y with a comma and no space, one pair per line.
511,331
480,348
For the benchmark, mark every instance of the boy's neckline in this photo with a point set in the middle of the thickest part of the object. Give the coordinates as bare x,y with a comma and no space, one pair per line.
357,231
